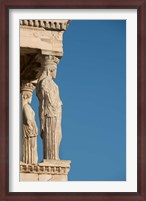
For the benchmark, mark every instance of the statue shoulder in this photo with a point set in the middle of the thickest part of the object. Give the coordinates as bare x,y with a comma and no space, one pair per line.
26,107
28,111
46,84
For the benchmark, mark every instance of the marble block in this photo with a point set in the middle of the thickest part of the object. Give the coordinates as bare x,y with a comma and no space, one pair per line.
48,170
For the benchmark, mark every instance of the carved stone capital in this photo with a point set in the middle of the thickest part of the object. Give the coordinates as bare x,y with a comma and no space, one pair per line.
49,62
26,86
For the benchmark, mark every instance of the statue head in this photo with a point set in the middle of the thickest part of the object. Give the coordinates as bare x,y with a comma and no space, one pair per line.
26,97
50,65
53,73
26,92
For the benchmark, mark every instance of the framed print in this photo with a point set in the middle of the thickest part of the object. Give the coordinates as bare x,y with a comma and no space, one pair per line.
73,103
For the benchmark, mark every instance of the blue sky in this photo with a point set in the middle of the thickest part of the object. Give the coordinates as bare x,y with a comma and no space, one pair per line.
92,81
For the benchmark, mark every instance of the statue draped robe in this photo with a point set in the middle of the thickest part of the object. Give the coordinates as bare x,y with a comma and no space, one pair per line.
30,133
50,111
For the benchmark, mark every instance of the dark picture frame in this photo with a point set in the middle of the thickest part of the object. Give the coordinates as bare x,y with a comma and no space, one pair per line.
140,195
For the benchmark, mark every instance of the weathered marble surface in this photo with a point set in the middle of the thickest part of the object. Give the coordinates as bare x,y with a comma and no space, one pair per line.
29,127
48,170
46,35
42,177
50,109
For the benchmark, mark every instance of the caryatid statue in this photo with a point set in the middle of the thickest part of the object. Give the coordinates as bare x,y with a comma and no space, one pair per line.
30,131
50,109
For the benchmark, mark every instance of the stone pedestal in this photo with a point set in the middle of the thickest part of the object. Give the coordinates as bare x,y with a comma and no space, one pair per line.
48,170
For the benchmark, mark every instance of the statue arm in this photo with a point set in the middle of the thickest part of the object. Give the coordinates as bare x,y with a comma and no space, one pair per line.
42,113
50,98
38,92
28,116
